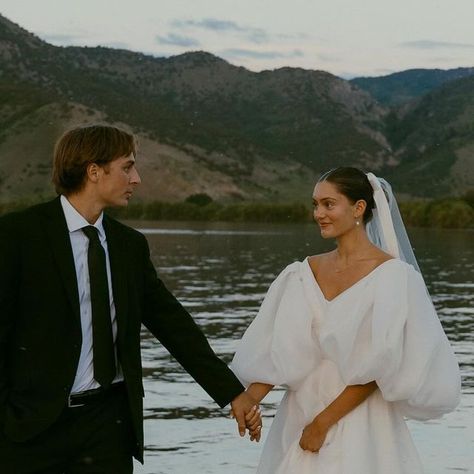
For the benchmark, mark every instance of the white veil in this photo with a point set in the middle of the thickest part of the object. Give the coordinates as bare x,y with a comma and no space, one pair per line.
386,228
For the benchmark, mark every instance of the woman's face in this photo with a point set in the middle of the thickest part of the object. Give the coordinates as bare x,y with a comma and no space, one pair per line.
333,211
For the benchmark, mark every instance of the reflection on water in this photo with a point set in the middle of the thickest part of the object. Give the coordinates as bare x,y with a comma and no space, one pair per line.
221,273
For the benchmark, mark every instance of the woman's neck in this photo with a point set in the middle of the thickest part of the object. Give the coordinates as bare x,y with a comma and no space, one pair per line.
352,246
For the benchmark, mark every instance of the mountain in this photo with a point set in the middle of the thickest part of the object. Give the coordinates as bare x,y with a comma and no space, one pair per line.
206,126
266,135
402,87
434,141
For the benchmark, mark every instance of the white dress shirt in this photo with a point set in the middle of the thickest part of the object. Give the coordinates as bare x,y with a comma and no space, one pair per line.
80,243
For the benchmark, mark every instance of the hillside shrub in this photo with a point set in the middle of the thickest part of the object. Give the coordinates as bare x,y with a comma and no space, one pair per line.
200,199
445,213
450,214
469,197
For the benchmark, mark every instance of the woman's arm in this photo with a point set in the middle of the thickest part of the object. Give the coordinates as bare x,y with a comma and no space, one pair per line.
258,391
352,396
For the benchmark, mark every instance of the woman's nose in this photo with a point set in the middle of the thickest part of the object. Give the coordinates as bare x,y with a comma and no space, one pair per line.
318,212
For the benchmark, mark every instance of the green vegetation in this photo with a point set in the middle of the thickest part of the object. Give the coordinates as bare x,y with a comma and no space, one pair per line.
451,213
190,211
12,206
201,199
445,213
441,213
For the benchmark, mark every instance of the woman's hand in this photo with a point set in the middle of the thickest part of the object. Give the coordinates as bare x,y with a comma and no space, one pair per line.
253,419
249,417
352,396
313,436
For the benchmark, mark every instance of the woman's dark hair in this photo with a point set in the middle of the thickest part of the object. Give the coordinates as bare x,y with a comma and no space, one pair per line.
354,184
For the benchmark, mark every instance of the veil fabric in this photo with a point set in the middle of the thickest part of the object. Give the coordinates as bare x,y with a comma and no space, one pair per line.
386,228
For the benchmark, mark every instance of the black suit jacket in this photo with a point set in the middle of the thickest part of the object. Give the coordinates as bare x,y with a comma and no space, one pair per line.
40,327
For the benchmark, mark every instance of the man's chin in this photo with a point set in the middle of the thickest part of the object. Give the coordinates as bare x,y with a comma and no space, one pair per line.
119,204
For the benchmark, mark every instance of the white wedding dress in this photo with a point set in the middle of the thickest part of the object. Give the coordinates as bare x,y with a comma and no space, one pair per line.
383,328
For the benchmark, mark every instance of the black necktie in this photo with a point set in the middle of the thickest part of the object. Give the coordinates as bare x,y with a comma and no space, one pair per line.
102,337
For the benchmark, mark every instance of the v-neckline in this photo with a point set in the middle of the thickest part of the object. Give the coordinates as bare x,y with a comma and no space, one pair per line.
349,287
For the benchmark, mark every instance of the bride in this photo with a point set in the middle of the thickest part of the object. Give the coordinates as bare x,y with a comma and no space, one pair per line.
353,336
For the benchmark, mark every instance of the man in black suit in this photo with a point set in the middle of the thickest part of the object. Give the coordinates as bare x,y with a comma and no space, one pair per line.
75,288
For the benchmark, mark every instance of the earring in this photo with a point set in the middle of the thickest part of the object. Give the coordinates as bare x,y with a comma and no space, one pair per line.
357,222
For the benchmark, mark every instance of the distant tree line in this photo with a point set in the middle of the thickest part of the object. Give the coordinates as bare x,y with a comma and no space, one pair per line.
201,207
449,213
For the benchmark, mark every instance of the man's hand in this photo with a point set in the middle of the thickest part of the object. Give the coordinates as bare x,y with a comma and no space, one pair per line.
247,414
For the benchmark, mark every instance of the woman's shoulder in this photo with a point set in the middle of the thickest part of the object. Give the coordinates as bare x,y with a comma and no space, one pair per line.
393,269
295,268
319,258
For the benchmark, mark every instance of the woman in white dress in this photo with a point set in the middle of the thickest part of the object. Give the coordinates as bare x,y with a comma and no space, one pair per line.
353,336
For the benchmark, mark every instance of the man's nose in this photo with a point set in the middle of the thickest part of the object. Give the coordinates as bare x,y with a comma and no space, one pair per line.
135,178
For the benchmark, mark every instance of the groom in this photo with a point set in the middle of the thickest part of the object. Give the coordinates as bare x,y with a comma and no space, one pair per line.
75,288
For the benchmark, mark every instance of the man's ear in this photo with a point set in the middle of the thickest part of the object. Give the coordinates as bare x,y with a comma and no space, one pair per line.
92,172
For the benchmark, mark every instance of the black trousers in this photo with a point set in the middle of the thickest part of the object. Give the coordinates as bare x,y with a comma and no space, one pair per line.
93,439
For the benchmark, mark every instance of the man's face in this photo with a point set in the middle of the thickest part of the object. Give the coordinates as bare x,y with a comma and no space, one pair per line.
117,181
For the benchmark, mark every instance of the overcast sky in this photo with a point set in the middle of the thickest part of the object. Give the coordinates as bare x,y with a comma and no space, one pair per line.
345,37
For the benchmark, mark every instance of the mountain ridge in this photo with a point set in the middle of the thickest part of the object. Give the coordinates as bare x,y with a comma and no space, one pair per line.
401,87
262,135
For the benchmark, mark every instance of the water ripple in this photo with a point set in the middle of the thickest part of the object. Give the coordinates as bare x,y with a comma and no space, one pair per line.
221,275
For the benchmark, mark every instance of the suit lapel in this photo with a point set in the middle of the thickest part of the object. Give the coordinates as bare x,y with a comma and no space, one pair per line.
118,270
60,244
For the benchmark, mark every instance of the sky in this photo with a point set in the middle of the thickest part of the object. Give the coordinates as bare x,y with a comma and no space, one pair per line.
348,38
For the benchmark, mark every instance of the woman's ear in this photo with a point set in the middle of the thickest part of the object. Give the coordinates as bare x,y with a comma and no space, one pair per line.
359,208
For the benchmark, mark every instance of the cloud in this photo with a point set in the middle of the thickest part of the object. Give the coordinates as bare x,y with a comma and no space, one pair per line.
177,40
215,24
294,36
255,35
430,44
249,53
328,58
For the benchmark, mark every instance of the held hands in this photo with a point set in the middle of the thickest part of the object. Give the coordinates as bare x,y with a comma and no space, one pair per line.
313,436
247,413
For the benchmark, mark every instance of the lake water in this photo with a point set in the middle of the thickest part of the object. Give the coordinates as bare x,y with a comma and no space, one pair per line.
221,272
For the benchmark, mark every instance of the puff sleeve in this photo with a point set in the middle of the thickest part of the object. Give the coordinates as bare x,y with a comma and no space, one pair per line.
278,347
391,333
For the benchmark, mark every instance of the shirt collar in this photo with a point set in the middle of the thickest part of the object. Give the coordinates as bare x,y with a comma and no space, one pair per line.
75,221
